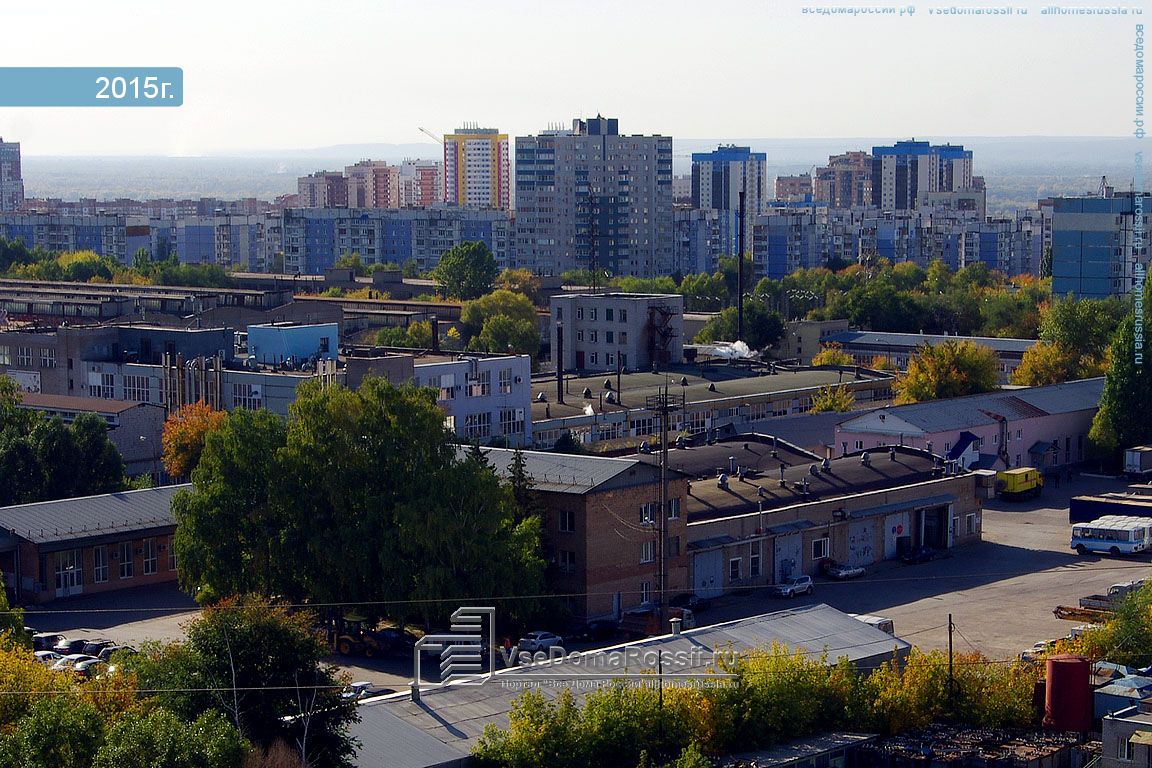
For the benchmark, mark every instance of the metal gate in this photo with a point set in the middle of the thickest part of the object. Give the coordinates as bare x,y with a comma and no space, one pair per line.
861,543
708,573
895,526
789,556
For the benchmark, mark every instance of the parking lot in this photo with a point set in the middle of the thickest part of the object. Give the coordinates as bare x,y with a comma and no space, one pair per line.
1000,592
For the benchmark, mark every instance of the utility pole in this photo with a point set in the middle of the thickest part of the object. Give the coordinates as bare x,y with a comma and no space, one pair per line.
951,676
740,272
663,404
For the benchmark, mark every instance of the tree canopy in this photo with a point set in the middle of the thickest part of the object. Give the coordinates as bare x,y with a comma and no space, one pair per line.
360,497
951,369
184,434
467,271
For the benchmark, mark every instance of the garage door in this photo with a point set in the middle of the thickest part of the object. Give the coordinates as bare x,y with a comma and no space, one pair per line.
861,543
708,573
895,526
789,556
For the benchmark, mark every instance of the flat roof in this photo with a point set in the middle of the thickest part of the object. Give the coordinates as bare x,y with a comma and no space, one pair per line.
882,338
714,383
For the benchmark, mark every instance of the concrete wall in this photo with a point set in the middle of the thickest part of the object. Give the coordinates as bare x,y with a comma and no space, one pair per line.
473,389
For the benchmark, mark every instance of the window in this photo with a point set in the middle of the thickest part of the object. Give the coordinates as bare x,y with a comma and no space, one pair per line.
136,389
648,513
645,591
247,396
481,384
594,358
648,552
608,314
478,425
511,421
623,315
859,445
971,523
171,555
623,337
1124,750
125,559
754,560
593,337
579,334
734,569
674,509
103,387
567,561
819,549
608,337
149,556
579,313
99,564
5,354
674,546
592,313
24,357
446,383
567,521
505,381
47,357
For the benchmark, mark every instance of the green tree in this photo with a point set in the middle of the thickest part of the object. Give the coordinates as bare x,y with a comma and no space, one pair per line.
832,353
520,281
58,456
467,271
704,293
950,369
161,738
762,327
353,262
1045,363
1121,421
58,731
1084,327
475,313
503,333
836,398
12,633
101,468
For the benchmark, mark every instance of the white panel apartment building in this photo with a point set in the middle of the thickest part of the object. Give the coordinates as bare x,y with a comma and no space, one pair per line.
11,181
604,331
590,195
476,168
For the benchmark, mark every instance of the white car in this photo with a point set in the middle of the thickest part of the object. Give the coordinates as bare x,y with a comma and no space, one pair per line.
48,658
539,641
70,661
797,585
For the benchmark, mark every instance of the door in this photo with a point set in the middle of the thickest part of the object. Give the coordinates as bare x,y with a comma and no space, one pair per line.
789,556
579,360
861,546
69,578
708,573
895,526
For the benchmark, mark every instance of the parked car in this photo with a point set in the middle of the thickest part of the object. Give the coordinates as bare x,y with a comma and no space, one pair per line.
45,641
797,585
89,668
539,641
836,570
688,600
94,647
600,629
920,555
395,640
1037,650
106,653
47,658
70,661
66,647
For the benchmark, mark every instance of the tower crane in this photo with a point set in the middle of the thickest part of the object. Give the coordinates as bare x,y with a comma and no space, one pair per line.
431,135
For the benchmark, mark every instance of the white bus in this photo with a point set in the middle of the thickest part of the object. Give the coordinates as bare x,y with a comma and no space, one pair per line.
1114,534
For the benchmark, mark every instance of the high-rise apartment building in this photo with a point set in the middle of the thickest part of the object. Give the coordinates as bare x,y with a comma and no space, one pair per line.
11,182
374,184
590,197
419,184
323,189
794,188
846,181
718,178
904,174
476,168
1097,243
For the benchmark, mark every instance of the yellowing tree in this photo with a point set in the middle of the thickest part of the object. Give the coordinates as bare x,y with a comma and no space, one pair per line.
184,434
832,354
951,369
831,397
1045,363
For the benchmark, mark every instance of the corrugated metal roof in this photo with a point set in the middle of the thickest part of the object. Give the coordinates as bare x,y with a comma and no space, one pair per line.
884,509
975,410
560,472
386,741
918,339
457,715
90,516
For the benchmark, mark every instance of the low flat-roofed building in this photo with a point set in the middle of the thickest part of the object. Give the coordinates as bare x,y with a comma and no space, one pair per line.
456,715
714,396
1126,737
67,547
899,348
134,428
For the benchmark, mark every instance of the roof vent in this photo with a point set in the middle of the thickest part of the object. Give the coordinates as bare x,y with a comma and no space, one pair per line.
732,464
587,393
826,465
680,442
610,397
761,492
814,470
608,384
892,454
645,448
711,386
722,481
541,398
865,459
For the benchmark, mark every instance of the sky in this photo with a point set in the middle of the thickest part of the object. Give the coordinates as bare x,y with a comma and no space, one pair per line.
297,75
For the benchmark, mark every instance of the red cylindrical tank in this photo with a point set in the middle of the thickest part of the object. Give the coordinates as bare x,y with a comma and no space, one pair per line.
1068,699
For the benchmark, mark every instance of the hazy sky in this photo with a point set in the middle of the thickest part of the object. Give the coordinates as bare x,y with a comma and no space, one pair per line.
262,75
